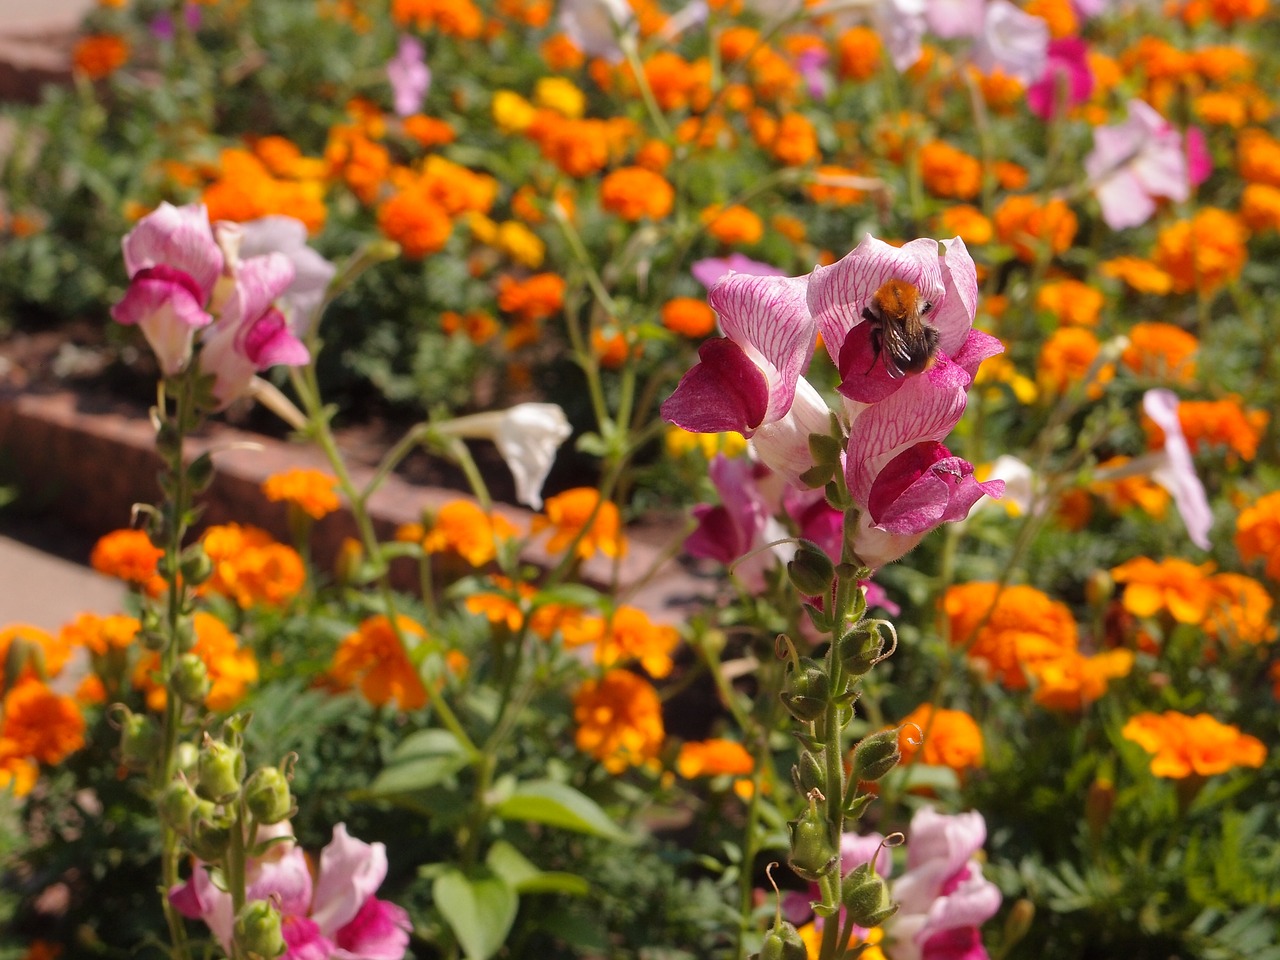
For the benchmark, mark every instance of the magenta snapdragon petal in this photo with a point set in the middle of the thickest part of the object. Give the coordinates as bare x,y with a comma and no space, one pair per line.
380,931
923,487
864,377
727,532
259,281
978,346
304,939
350,873
962,943
724,391
178,237
269,342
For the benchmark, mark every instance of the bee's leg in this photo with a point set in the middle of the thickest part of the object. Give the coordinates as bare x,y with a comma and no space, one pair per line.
877,345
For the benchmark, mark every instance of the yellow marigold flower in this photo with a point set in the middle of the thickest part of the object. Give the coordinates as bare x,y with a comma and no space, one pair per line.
511,112
128,555
373,659
311,491
1161,351
1034,229
1258,534
1172,585
1203,253
1066,357
561,95
1000,369
1125,493
1183,745
689,317
966,222
940,738
630,635
1239,611
713,758
1073,681
1071,302
680,442
18,775
568,515
733,225
521,244
634,193
462,527
101,635
1024,627
53,652
619,719
1142,275
40,724
949,172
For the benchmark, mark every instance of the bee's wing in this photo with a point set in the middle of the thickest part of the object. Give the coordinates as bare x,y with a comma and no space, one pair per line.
896,349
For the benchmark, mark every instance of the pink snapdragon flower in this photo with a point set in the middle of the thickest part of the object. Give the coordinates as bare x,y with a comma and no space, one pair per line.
707,271
173,264
1067,68
331,915
1134,163
409,76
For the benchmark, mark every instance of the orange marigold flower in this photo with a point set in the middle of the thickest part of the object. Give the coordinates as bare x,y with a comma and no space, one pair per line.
1125,493
737,41
654,155
1073,681
1071,302
462,527
1011,176
428,131
581,512
1066,357
40,724
1161,351
250,567
1202,253
246,190
1033,229
1008,631
51,651
1001,91
688,316
1223,423
454,18
1258,157
940,738
99,55
1172,585
634,193
413,219
560,54
1221,108
1058,14
950,172
311,491
676,83
1239,611
619,719
1260,207
535,298
834,185
713,758
733,225
1258,534
373,658
101,635
128,555
966,222
18,775
502,606
630,635
231,668
859,51
1142,275
1183,745
796,140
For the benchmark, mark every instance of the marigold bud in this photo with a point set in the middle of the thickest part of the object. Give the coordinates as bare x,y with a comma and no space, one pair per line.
258,930
876,755
267,795
814,853
221,771
866,896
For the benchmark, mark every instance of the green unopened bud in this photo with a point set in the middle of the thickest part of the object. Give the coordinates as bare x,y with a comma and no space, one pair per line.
258,931
808,773
813,850
210,832
876,755
188,758
783,942
221,771
200,473
811,571
866,896
177,805
153,640
267,795
139,741
185,635
806,694
860,648
190,679
196,566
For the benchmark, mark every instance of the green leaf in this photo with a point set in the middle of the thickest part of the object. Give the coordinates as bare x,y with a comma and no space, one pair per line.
560,805
423,760
480,910
517,872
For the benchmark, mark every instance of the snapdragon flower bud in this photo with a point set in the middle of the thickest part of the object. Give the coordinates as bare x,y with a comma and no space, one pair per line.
813,851
267,795
221,771
259,930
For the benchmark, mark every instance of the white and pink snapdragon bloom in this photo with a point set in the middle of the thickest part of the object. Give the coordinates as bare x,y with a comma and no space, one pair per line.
899,473
188,286
332,915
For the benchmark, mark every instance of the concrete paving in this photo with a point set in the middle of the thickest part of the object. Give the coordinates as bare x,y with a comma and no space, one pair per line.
47,591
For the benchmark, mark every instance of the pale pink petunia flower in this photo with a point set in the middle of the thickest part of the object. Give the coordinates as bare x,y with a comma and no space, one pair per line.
1134,163
952,19
409,75
596,26
1012,41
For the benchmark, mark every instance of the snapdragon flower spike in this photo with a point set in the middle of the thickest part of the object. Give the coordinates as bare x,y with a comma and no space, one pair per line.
251,333
747,378
173,263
